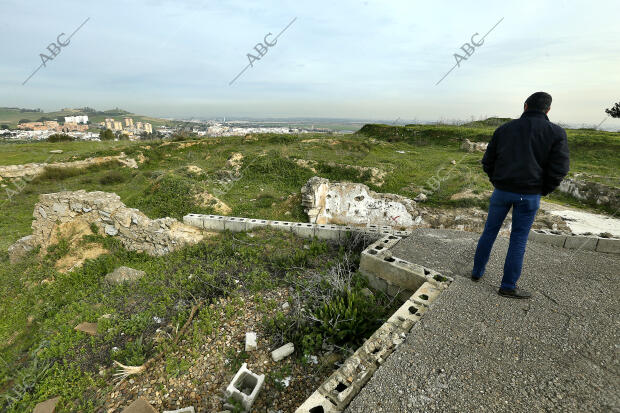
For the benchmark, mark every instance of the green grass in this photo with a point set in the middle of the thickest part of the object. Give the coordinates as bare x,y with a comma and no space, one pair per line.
47,357
43,314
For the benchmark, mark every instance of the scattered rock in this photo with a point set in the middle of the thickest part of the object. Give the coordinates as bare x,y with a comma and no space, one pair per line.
183,410
48,406
139,406
194,169
21,248
122,274
282,352
420,198
56,151
88,328
250,341
286,305
453,162
205,199
469,146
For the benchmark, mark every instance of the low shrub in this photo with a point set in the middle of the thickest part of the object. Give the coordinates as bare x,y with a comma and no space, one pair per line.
60,137
112,177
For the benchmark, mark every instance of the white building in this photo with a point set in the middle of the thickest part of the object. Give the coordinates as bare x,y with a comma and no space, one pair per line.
76,119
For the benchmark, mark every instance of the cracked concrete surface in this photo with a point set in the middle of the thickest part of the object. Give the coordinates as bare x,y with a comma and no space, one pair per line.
476,351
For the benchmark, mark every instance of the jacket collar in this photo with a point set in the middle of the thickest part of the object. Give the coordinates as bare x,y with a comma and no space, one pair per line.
534,114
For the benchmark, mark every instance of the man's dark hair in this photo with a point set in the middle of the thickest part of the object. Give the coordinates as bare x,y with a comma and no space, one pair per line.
540,101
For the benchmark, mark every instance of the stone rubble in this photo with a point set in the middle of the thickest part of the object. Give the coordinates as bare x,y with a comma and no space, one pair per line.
282,352
470,146
104,210
123,274
349,203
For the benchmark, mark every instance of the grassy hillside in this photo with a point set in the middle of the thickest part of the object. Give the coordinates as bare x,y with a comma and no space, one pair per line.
43,356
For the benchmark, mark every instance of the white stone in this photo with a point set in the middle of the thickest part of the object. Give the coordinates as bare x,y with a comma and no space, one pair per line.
282,352
189,409
250,341
420,198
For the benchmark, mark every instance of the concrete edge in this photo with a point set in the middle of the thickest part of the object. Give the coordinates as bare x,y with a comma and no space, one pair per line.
579,242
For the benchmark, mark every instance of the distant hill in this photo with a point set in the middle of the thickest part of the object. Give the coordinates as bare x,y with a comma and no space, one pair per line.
489,122
11,116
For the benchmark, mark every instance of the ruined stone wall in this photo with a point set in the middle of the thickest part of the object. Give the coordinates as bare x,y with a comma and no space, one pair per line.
56,212
591,191
34,169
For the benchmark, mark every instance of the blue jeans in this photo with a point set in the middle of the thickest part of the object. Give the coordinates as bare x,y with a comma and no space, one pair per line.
524,208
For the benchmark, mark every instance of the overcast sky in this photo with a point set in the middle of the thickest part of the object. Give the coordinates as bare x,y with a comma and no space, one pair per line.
365,59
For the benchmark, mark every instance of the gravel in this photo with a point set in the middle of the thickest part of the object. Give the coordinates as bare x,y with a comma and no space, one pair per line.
477,351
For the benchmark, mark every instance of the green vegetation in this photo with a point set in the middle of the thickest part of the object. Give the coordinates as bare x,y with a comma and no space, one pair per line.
106,135
60,137
41,307
43,356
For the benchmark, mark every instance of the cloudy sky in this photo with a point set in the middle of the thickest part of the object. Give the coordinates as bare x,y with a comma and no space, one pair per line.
364,59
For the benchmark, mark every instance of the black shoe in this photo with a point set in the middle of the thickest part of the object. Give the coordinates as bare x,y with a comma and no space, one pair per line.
475,279
516,293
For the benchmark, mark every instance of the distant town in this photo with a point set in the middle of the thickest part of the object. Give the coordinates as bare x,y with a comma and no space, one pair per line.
126,128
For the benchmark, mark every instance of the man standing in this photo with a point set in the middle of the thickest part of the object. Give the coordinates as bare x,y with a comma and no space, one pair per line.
526,158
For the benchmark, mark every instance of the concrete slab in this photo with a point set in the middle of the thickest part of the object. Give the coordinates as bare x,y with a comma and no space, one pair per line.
585,243
213,222
235,224
608,245
303,229
476,351
328,232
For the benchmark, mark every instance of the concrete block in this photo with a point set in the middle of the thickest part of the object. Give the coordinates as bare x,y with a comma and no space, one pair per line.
346,382
608,245
253,223
401,273
407,315
327,232
303,229
377,283
245,386
581,243
425,295
213,222
282,352
195,220
401,294
547,238
385,230
317,403
383,342
281,225
235,224
250,341
403,234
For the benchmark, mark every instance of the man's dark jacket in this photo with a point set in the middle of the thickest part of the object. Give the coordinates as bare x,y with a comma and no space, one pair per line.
528,155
